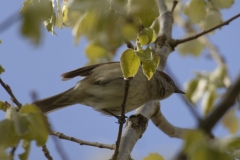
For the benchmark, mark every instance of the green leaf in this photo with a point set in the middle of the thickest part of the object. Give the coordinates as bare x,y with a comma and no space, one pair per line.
2,106
195,10
95,52
129,31
0,41
218,75
146,36
146,11
3,154
1,69
26,146
212,19
59,15
153,156
9,137
223,3
198,93
145,55
208,100
33,12
230,121
190,88
65,13
129,63
149,68
193,47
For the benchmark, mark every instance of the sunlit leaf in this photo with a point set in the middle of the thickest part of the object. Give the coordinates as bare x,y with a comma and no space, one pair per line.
223,3
26,146
208,101
2,106
65,13
149,68
145,55
146,11
9,137
153,156
146,36
190,88
201,86
129,63
1,69
218,75
95,52
195,10
129,32
59,15
230,121
193,47
213,18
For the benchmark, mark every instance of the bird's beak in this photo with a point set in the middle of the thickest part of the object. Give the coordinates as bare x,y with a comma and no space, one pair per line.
178,91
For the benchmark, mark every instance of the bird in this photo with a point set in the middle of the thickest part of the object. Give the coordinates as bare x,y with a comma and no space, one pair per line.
102,88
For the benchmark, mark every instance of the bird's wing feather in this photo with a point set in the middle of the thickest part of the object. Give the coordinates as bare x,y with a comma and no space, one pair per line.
84,71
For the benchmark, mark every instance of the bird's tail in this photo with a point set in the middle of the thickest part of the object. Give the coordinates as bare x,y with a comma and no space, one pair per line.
55,102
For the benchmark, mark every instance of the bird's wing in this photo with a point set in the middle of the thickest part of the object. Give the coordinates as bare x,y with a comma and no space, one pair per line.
84,71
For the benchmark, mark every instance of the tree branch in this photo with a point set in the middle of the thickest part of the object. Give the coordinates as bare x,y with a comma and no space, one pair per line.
81,142
122,118
179,41
46,152
9,91
175,2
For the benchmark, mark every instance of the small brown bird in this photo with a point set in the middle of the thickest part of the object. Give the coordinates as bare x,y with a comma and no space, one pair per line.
103,89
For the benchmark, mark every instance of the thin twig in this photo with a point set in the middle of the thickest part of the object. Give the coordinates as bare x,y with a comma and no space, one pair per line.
122,118
46,152
175,2
179,41
81,142
13,98
12,152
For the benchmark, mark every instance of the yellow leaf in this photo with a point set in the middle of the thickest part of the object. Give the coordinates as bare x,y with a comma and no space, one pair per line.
129,31
129,63
95,52
29,108
230,121
153,156
65,12
208,101
190,88
149,68
145,55
146,36
59,15
195,10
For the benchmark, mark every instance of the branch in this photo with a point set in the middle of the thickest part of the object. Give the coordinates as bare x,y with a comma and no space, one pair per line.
226,102
46,152
13,98
129,44
175,2
179,41
161,122
81,142
122,118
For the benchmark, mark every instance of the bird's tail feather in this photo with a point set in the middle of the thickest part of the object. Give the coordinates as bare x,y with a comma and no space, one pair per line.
55,102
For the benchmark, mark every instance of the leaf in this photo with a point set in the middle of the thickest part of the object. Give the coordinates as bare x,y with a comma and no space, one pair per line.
1,69
153,156
195,10
33,12
223,3
201,86
218,75
59,15
193,47
208,101
3,154
145,55
149,68
65,13
2,106
95,52
0,41
190,88
26,146
146,36
213,18
129,31
230,121
146,11
129,63
9,137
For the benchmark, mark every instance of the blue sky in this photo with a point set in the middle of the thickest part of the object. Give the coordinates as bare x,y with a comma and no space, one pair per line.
30,68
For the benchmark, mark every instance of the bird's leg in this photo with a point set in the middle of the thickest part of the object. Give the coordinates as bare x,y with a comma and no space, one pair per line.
114,115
